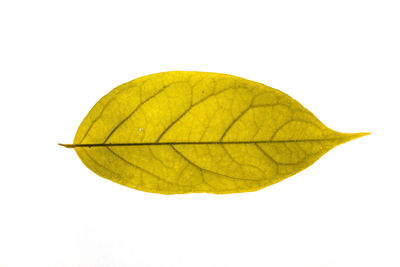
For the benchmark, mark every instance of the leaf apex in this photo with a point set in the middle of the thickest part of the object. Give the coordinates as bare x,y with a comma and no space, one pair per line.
353,136
357,135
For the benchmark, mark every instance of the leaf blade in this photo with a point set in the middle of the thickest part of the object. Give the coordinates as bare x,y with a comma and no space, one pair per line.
183,132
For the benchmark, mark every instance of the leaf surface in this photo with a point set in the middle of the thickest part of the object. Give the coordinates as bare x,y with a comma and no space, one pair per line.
183,132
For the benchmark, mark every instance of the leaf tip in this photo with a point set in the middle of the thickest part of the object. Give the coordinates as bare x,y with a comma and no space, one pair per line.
358,135
353,136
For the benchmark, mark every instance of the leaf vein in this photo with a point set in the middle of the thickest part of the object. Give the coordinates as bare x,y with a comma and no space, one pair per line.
141,169
207,170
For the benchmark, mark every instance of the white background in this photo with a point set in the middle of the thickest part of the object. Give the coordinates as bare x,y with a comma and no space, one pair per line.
340,59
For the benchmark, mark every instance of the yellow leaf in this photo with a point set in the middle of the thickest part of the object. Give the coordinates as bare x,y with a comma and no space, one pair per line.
184,132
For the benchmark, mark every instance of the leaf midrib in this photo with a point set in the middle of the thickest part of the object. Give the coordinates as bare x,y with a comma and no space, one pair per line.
203,143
